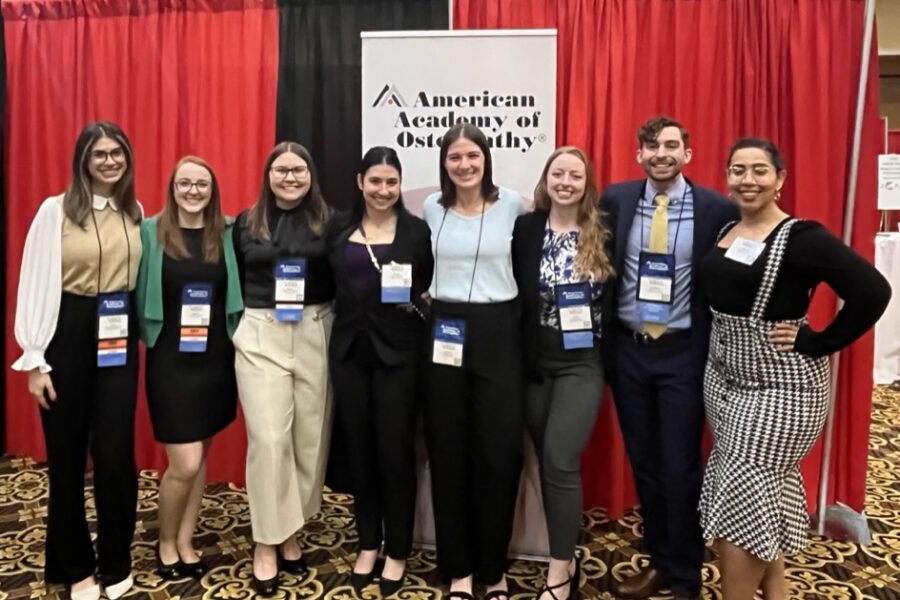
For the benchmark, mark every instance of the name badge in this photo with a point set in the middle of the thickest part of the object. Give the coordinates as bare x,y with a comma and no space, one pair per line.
112,329
396,282
656,283
196,299
449,339
290,287
745,251
574,303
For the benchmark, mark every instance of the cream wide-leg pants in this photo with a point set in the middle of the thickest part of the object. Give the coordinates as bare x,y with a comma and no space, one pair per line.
282,376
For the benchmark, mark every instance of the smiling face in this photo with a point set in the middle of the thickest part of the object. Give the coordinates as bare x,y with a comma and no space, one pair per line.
192,188
106,163
566,180
664,158
380,186
753,180
465,164
289,178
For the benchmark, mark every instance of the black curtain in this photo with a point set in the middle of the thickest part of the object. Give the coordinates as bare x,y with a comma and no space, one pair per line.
319,103
6,359
319,77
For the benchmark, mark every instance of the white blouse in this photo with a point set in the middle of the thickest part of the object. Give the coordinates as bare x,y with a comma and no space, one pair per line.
40,283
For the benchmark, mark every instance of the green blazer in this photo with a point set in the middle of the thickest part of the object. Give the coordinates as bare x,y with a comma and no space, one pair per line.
148,295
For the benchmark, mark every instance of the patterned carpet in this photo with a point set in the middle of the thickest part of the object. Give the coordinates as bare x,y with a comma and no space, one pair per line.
825,569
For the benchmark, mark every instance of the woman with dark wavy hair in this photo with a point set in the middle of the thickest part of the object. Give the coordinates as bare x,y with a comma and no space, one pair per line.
75,322
766,388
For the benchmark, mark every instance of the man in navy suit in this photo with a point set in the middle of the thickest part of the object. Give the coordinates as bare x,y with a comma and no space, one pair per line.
655,351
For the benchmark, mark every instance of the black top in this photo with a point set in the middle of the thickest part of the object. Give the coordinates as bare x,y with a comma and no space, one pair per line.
397,332
191,395
291,237
813,255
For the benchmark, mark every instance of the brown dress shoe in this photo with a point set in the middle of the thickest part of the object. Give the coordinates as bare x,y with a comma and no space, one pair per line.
641,585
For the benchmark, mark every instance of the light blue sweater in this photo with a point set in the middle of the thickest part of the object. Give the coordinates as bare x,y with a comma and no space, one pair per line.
454,241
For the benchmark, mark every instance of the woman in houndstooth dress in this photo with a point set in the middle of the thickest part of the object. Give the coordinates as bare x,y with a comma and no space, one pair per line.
767,377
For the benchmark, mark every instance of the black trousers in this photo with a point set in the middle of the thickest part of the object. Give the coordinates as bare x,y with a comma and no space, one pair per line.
93,412
658,392
474,431
376,405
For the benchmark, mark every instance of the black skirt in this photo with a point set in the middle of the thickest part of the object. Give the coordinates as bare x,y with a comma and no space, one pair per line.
191,395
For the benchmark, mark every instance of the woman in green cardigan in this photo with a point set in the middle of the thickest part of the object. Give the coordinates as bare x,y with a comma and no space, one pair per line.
189,305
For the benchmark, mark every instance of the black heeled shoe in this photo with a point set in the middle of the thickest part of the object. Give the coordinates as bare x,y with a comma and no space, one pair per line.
296,567
195,570
389,587
574,583
168,572
265,587
360,581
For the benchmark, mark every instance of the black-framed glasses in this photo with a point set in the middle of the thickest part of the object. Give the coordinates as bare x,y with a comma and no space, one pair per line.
101,156
283,172
185,185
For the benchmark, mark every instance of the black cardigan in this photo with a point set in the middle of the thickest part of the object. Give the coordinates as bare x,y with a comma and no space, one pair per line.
397,334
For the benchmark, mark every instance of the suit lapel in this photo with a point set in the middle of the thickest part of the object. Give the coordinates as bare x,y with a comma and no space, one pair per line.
701,227
627,211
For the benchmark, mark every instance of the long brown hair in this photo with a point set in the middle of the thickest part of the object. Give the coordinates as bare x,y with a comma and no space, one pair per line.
590,254
168,232
78,200
258,215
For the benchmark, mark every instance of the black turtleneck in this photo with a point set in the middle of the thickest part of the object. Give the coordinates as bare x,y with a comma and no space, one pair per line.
291,237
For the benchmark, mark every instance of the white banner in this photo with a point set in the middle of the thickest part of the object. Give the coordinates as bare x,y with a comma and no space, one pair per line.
889,182
417,84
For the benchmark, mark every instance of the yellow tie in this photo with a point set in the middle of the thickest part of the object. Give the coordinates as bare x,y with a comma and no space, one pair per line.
659,242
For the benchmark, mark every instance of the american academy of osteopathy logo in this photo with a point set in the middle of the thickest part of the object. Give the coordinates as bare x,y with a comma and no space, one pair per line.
389,95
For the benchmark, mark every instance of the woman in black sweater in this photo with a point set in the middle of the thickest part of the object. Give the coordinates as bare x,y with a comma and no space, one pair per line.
767,384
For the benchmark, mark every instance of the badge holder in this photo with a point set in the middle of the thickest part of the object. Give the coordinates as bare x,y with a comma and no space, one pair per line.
396,283
656,283
112,329
574,303
290,288
196,300
449,340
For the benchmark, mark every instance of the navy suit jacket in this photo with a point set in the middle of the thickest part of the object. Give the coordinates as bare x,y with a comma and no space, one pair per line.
712,211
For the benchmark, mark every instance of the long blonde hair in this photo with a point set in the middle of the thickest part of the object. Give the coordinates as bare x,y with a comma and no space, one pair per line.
591,257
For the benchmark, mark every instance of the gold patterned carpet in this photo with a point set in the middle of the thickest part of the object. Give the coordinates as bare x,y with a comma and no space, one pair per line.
826,569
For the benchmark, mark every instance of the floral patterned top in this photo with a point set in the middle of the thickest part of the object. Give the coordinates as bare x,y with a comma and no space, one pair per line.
557,263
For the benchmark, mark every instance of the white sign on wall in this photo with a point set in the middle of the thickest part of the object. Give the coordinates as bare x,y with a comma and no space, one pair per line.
417,84
889,182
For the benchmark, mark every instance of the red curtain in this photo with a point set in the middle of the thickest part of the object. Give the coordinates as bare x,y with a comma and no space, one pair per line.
181,77
784,70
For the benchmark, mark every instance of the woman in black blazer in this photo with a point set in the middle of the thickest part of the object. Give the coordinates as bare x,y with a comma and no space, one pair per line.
382,263
560,262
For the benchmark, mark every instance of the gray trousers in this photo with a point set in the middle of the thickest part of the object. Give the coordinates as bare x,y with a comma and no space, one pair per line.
560,413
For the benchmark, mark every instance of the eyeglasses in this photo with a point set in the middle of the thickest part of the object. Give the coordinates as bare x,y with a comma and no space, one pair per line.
101,156
185,185
283,172
756,171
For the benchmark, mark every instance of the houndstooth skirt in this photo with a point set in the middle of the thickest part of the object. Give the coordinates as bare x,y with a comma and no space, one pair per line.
766,409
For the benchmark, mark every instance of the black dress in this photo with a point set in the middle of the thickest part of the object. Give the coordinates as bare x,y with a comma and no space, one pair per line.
192,395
